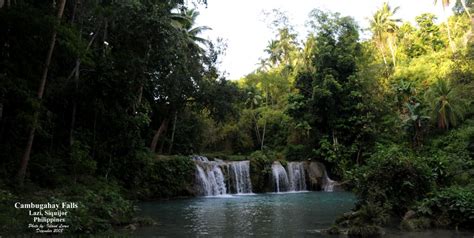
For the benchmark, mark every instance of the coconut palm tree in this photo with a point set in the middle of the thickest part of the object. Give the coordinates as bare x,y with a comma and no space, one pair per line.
186,21
447,104
446,3
383,26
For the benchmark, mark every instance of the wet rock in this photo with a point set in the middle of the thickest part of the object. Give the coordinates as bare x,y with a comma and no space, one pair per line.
409,214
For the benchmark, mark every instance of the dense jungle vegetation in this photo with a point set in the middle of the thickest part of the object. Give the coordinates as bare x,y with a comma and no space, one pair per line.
102,101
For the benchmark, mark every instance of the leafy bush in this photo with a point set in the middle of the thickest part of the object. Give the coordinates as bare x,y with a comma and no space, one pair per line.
11,219
260,171
392,178
166,177
101,206
297,152
452,206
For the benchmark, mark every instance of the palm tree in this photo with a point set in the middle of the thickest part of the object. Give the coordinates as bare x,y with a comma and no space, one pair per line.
383,27
274,52
446,3
185,21
447,104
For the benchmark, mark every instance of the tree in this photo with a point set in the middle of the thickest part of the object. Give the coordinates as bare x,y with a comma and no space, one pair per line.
384,27
186,21
447,106
446,3
181,83
44,77
415,122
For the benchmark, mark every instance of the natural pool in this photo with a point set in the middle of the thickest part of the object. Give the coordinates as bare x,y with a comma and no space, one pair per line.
269,215
297,214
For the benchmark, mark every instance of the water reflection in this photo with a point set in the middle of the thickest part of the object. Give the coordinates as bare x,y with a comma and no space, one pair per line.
290,214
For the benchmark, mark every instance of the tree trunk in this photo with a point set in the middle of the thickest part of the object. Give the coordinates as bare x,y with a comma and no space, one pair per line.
94,132
358,156
74,104
263,135
383,56
257,129
163,125
463,3
451,43
76,72
173,131
31,136
392,51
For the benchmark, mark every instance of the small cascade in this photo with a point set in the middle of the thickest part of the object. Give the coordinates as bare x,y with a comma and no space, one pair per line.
200,158
240,176
328,184
296,175
214,178
209,177
280,177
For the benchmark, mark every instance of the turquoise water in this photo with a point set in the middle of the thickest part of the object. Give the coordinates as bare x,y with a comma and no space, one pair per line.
262,215
301,214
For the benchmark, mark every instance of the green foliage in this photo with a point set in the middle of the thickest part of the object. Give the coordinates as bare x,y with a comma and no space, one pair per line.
392,178
296,152
12,220
143,65
446,104
165,177
101,206
452,206
261,171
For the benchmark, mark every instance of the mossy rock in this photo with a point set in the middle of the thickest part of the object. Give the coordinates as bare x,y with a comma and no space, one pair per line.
333,230
415,224
365,231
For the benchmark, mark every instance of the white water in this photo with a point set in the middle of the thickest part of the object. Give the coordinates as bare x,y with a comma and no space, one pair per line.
328,184
218,178
240,172
296,175
280,177
210,179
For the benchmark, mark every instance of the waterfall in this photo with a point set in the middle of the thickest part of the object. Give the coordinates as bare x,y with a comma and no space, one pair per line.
210,179
280,177
200,158
296,176
240,174
218,177
328,184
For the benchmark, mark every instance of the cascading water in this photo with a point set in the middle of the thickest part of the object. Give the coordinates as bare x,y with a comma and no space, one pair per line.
217,177
328,184
296,175
240,176
210,178
280,177
200,158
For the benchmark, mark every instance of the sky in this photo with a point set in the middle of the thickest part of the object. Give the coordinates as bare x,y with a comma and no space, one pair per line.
241,23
